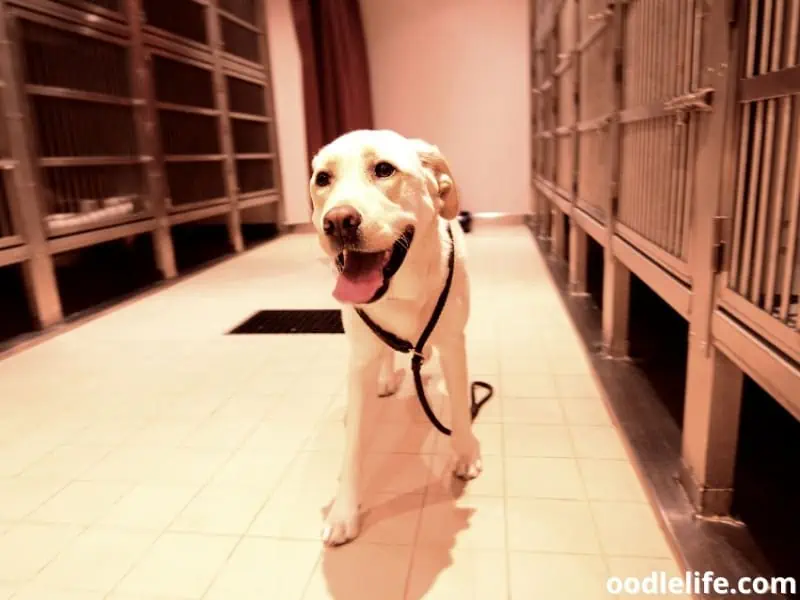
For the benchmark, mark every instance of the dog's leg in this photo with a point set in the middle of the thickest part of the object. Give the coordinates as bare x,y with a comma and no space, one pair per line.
389,381
342,524
453,357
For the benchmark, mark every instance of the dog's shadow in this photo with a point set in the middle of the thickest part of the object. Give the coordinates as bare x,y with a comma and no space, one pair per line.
409,518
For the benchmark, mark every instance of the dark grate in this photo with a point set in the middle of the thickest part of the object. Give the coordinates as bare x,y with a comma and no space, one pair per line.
250,136
240,41
75,128
112,5
186,133
184,18
245,97
66,188
255,175
292,321
180,83
6,228
191,182
244,9
67,60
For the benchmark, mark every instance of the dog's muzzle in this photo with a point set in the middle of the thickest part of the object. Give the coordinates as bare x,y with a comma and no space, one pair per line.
364,277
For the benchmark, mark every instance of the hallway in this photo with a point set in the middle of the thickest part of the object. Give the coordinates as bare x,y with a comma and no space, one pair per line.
146,455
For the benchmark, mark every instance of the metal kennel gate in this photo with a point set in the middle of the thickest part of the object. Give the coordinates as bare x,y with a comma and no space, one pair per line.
669,131
126,117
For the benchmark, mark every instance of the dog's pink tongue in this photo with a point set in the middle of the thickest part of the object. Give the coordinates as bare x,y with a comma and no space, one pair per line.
361,277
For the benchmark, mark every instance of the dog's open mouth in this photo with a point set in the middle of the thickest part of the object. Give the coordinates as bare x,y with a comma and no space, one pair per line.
364,276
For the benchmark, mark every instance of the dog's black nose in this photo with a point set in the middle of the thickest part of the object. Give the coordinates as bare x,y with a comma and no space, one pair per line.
342,223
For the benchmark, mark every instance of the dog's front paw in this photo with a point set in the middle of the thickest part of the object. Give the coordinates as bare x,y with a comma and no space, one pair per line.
389,383
342,524
468,463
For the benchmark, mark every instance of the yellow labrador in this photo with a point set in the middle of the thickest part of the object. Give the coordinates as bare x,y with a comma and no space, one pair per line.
382,204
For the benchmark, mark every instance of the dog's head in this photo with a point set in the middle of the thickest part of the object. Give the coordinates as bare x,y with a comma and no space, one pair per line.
372,192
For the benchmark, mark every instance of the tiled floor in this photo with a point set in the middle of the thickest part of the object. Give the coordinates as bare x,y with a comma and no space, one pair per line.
145,455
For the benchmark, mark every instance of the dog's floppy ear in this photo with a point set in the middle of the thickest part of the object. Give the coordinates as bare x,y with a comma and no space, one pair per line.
433,159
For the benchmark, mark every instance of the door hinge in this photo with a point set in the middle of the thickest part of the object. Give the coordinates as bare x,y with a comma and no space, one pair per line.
718,255
614,205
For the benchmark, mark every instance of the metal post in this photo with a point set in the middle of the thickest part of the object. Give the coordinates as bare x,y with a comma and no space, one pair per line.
616,277
578,241
38,270
147,137
714,383
261,14
578,255
224,120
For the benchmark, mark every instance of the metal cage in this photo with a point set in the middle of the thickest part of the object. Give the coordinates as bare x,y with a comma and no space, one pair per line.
667,130
125,117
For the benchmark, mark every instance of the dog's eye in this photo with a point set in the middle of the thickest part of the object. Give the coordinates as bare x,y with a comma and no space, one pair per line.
384,169
322,179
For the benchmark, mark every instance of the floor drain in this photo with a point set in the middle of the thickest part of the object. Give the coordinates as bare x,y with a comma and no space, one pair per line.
289,322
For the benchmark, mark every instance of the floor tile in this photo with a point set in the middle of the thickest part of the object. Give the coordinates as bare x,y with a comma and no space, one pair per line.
475,523
149,507
558,526
179,565
39,592
535,411
20,496
557,478
96,560
528,386
361,571
577,386
391,519
557,577
597,442
611,480
260,568
441,573
629,529
81,502
220,509
26,548
551,441
585,411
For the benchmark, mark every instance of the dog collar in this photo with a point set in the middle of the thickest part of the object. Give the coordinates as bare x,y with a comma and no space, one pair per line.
400,345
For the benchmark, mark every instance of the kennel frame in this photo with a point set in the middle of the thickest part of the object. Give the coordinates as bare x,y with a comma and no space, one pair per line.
684,235
122,22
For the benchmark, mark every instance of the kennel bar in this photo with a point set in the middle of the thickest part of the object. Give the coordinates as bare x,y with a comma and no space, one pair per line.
253,136
20,200
89,166
250,106
762,283
658,122
108,9
147,137
241,32
188,115
102,14
224,129
180,26
596,108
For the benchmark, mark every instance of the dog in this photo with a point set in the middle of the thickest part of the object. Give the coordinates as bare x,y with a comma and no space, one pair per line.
381,206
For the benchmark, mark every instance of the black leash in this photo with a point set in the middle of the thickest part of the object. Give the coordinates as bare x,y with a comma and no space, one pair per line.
400,345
